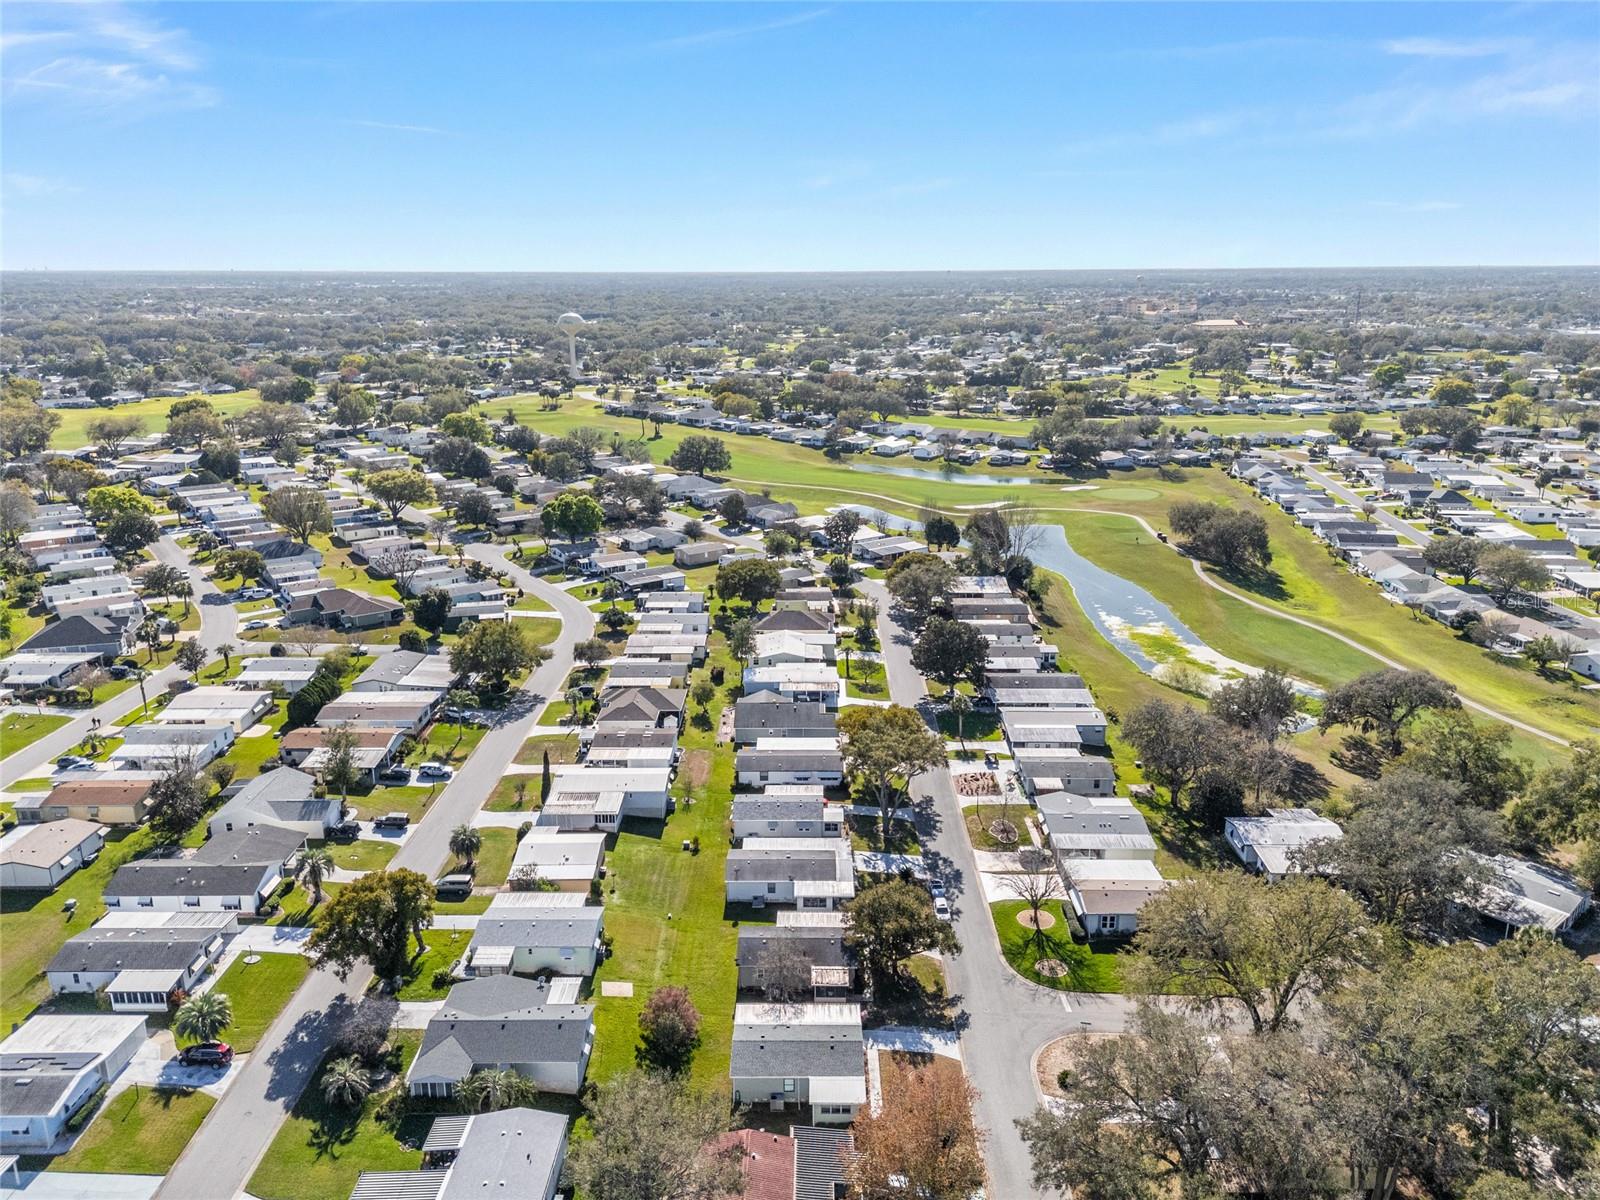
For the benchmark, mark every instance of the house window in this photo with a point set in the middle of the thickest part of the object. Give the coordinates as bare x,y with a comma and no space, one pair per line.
94,812
234,903
191,901
788,1085
1108,923
771,825
772,889
147,902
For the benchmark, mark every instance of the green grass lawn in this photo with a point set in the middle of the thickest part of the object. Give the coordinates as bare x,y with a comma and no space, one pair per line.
865,679
140,1131
321,1150
555,713
665,910
866,834
1225,624
258,991
412,799
73,430
447,743
363,854
33,925
504,796
19,730
296,908
470,907
1306,581
543,630
37,784
975,727
1119,687
1088,970
252,749
24,623
981,816
494,856
444,947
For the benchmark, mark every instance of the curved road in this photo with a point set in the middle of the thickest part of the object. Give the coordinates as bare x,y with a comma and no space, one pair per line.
224,1152
1004,1018
219,623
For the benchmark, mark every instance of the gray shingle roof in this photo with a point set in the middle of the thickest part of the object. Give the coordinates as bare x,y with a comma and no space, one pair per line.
778,808
763,866
500,1019
562,927
823,946
800,1050
136,949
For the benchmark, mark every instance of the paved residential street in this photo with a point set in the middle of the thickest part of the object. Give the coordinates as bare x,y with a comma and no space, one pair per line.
1382,515
219,622
1006,1018
223,1154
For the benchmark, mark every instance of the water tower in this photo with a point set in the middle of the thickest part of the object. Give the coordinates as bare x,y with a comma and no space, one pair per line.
569,324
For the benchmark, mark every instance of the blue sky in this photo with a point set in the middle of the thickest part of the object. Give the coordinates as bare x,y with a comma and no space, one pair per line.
790,137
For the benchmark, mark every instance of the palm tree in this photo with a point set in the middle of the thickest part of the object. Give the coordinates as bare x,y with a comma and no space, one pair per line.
459,700
149,632
203,1017
465,842
345,1083
960,705
185,592
315,866
491,1090
226,650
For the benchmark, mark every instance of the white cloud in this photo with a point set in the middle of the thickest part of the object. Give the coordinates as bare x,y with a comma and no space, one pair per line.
1433,47
1552,85
15,183
101,58
400,128
734,33
1415,206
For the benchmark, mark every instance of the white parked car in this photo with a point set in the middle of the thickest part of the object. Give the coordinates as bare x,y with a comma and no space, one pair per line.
941,908
254,625
433,770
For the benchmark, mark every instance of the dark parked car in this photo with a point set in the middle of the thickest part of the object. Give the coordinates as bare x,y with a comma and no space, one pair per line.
394,820
454,887
207,1054
347,830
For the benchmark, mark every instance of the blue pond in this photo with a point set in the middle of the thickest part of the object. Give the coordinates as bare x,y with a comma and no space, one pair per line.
1113,604
1109,600
946,476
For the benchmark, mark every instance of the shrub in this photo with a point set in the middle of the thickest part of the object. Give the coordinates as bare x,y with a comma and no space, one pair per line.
90,1106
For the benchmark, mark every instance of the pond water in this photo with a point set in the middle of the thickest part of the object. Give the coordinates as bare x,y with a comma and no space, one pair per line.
947,476
876,516
1118,608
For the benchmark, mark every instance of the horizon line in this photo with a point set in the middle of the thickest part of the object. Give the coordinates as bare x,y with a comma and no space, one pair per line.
753,271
